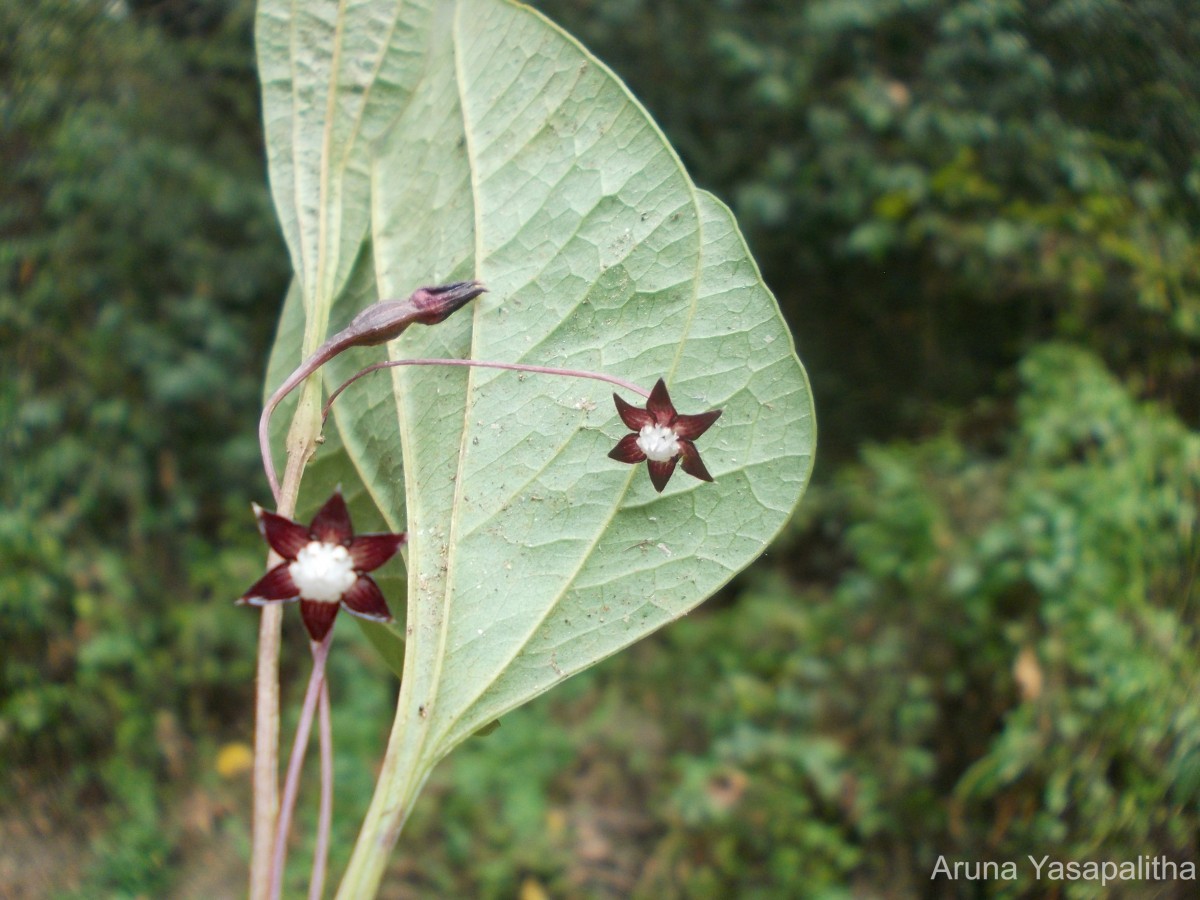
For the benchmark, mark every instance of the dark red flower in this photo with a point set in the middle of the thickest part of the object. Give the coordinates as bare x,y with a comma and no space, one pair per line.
662,437
324,567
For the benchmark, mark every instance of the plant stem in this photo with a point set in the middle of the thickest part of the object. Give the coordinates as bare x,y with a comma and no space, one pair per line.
325,819
301,443
291,786
266,745
483,364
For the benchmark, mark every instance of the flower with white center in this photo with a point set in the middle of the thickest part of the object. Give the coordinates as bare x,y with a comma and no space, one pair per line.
324,566
662,437
323,572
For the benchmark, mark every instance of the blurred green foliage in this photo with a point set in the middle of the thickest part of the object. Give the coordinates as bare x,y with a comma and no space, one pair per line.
139,268
978,638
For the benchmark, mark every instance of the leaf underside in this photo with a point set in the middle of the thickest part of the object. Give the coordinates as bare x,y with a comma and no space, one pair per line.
512,156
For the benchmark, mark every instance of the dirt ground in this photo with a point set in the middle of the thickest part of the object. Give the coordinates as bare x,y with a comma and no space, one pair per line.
47,845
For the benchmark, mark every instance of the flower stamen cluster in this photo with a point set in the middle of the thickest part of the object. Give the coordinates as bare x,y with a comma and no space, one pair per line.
323,572
658,442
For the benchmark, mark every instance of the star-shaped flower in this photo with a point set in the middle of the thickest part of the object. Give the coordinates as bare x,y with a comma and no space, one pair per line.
662,437
324,566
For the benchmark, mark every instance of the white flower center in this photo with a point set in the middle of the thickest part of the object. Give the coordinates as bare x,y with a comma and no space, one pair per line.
658,442
323,572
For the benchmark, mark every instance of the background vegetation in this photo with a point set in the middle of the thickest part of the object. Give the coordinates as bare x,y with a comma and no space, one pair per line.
978,638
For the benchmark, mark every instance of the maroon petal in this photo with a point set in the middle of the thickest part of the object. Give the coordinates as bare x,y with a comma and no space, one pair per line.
634,417
332,522
370,551
659,405
365,600
660,472
692,464
627,450
318,617
275,585
691,427
287,538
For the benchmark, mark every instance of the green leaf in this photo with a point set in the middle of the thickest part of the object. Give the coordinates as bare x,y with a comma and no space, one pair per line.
519,159
333,76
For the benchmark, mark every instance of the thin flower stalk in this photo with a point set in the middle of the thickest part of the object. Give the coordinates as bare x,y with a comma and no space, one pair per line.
316,883
483,364
291,787
662,436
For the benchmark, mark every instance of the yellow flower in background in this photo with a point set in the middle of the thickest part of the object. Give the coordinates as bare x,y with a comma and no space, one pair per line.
234,759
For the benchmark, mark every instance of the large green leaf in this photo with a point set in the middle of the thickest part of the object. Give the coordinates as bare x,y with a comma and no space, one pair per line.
334,75
517,158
